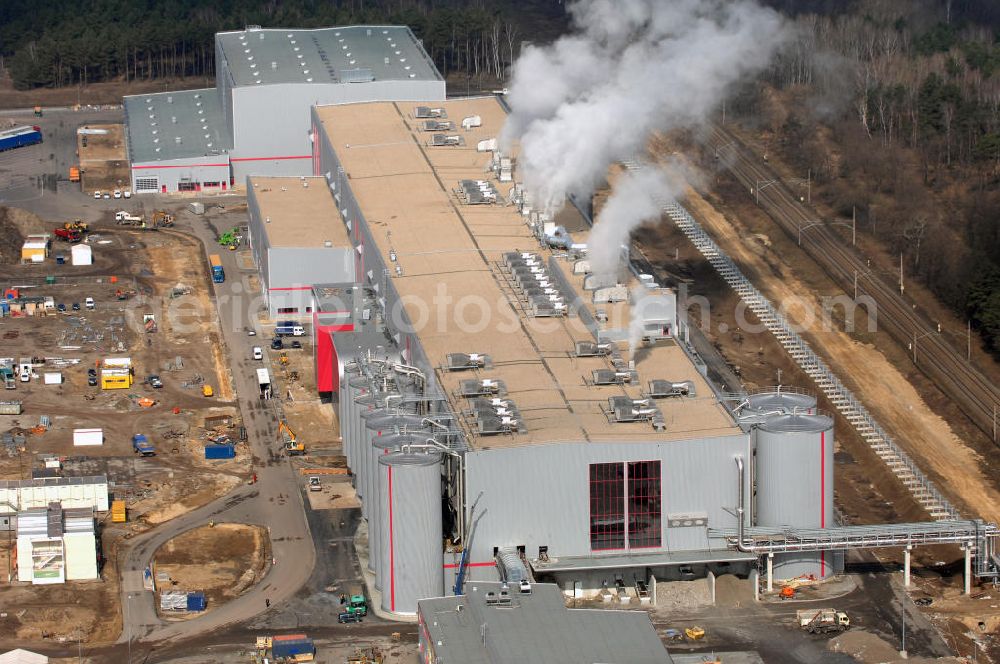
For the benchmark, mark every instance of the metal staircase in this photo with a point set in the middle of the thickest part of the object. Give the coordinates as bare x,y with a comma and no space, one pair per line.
922,489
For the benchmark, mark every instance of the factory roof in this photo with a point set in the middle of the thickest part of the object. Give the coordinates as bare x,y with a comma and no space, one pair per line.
298,212
176,125
404,186
484,627
354,54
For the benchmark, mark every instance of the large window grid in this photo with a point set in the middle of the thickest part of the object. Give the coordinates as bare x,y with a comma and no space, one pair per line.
625,505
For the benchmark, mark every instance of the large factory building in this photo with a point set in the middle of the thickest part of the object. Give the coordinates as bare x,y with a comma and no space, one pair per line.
256,120
493,413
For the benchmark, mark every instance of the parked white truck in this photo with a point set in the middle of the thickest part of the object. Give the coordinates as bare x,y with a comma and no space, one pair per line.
820,621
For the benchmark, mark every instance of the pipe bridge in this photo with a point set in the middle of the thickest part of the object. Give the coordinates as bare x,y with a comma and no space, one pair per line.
979,540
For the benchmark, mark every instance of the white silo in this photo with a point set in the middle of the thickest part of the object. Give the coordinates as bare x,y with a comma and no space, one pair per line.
794,473
411,529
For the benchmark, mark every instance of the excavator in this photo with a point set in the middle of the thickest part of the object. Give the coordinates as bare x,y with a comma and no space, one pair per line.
162,219
289,441
77,225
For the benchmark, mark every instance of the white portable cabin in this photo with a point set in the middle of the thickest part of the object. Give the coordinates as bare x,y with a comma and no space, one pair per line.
81,254
88,437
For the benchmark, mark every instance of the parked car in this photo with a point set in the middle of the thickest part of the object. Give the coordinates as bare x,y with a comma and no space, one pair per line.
76,306
89,302
276,344
250,331
296,344
348,617
106,195
258,353
127,194
97,195
92,381
154,381
314,484
118,193
92,372
61,307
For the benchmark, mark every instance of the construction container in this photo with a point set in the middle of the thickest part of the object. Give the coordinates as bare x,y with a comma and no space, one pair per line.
196,601
118,511
10,408
299,650
196,207
220,452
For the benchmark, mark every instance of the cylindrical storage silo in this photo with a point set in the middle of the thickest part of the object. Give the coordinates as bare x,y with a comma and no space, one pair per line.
794,472
780,401
411,529
382,445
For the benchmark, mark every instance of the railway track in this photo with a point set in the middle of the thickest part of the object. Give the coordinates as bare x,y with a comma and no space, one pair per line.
973,392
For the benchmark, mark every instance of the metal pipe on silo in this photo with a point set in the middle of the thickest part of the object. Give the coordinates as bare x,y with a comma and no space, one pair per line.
411,529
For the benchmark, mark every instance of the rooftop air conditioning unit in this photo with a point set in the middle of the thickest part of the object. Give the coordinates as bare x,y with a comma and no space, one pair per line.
465,361
661,389
590,349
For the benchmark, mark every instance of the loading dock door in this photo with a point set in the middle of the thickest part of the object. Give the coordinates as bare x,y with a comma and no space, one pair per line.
147,184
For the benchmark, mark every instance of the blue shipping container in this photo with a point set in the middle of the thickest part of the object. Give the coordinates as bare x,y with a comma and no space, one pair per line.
220,452
292,648
196,602
19,137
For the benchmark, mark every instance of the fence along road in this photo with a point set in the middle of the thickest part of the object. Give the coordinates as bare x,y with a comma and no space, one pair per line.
978,398
922,489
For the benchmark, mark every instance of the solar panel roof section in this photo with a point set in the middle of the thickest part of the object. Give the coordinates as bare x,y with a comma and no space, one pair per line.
352,54
157,121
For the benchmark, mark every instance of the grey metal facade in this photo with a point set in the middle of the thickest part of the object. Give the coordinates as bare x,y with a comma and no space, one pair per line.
170,174
271,123
287,274
794,478
539,495
410,502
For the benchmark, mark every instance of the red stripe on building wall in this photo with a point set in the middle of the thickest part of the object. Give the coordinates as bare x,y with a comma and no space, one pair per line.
485,564
297,156
343,327
822,496
392,559
291,288
179,166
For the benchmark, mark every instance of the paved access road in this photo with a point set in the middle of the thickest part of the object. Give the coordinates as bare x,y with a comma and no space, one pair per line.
275,501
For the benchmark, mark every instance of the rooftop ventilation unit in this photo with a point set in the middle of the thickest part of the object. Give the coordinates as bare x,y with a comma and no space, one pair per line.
477,192
661,389
446,140
493,425
437,125
610,377
590,349
357,75
426,112
471,121
466,361
482,388
487,145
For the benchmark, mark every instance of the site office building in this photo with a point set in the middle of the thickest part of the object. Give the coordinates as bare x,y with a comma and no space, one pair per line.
255,121
586,487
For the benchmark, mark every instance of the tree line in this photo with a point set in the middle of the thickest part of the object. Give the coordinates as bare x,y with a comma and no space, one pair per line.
58,43
894,109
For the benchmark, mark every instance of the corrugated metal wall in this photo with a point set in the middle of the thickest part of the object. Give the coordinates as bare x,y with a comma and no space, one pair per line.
271,123
540,495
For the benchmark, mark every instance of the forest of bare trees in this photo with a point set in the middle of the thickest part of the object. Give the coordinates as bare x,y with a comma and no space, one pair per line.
894,108
55,44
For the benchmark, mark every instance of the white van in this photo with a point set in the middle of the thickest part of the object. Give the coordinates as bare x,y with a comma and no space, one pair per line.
89,303
25,373
258,354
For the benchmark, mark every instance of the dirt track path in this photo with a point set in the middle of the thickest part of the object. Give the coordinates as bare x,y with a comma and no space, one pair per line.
884,390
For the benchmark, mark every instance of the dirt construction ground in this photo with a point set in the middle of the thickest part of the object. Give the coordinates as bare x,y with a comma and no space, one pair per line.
161,273
103,162
221,560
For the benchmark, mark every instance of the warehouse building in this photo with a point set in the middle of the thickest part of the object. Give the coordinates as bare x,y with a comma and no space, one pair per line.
255,121
495,377
297,240
55,545
499,624
72,492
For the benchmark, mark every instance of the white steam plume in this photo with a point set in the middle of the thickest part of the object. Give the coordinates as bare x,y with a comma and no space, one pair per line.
630,68
633,200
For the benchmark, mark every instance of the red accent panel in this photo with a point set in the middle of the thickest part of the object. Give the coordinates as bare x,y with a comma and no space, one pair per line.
822,496
342,327
291,288
326,359
297,156
179,166
455,565
392,553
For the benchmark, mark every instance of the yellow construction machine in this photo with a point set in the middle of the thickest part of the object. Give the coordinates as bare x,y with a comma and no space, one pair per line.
289,441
